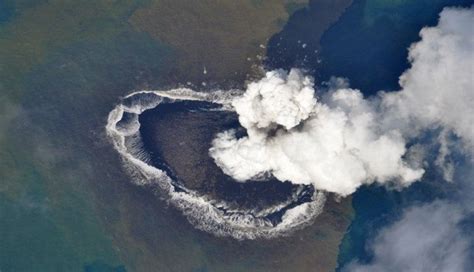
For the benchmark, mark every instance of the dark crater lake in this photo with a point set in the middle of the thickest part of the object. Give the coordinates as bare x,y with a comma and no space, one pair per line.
177,137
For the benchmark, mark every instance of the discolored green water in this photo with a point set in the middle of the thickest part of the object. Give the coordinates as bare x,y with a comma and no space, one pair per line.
62,64
66,203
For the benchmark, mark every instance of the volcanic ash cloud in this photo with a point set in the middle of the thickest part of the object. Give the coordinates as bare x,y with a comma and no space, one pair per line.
340,140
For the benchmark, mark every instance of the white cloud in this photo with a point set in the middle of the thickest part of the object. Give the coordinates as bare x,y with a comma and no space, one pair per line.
343,141
426,238
438,89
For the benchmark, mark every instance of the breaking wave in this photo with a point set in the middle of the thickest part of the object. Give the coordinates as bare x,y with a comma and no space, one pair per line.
214,216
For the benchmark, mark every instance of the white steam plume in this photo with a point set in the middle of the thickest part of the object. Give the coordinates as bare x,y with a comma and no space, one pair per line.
438,89
342,140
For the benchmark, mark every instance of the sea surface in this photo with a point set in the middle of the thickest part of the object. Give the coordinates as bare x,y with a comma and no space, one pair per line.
66,203
368,45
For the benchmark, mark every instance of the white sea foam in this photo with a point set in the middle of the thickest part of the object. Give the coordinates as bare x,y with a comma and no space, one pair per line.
213,216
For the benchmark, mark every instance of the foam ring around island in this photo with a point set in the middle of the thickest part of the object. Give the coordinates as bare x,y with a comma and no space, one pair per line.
211,215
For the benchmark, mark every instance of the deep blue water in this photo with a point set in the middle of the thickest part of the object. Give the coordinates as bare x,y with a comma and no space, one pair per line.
368,45
9,9
6,11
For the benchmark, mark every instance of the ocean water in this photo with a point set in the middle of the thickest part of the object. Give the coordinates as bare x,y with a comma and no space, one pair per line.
369,46
66,204
66,201
6,11
52,184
